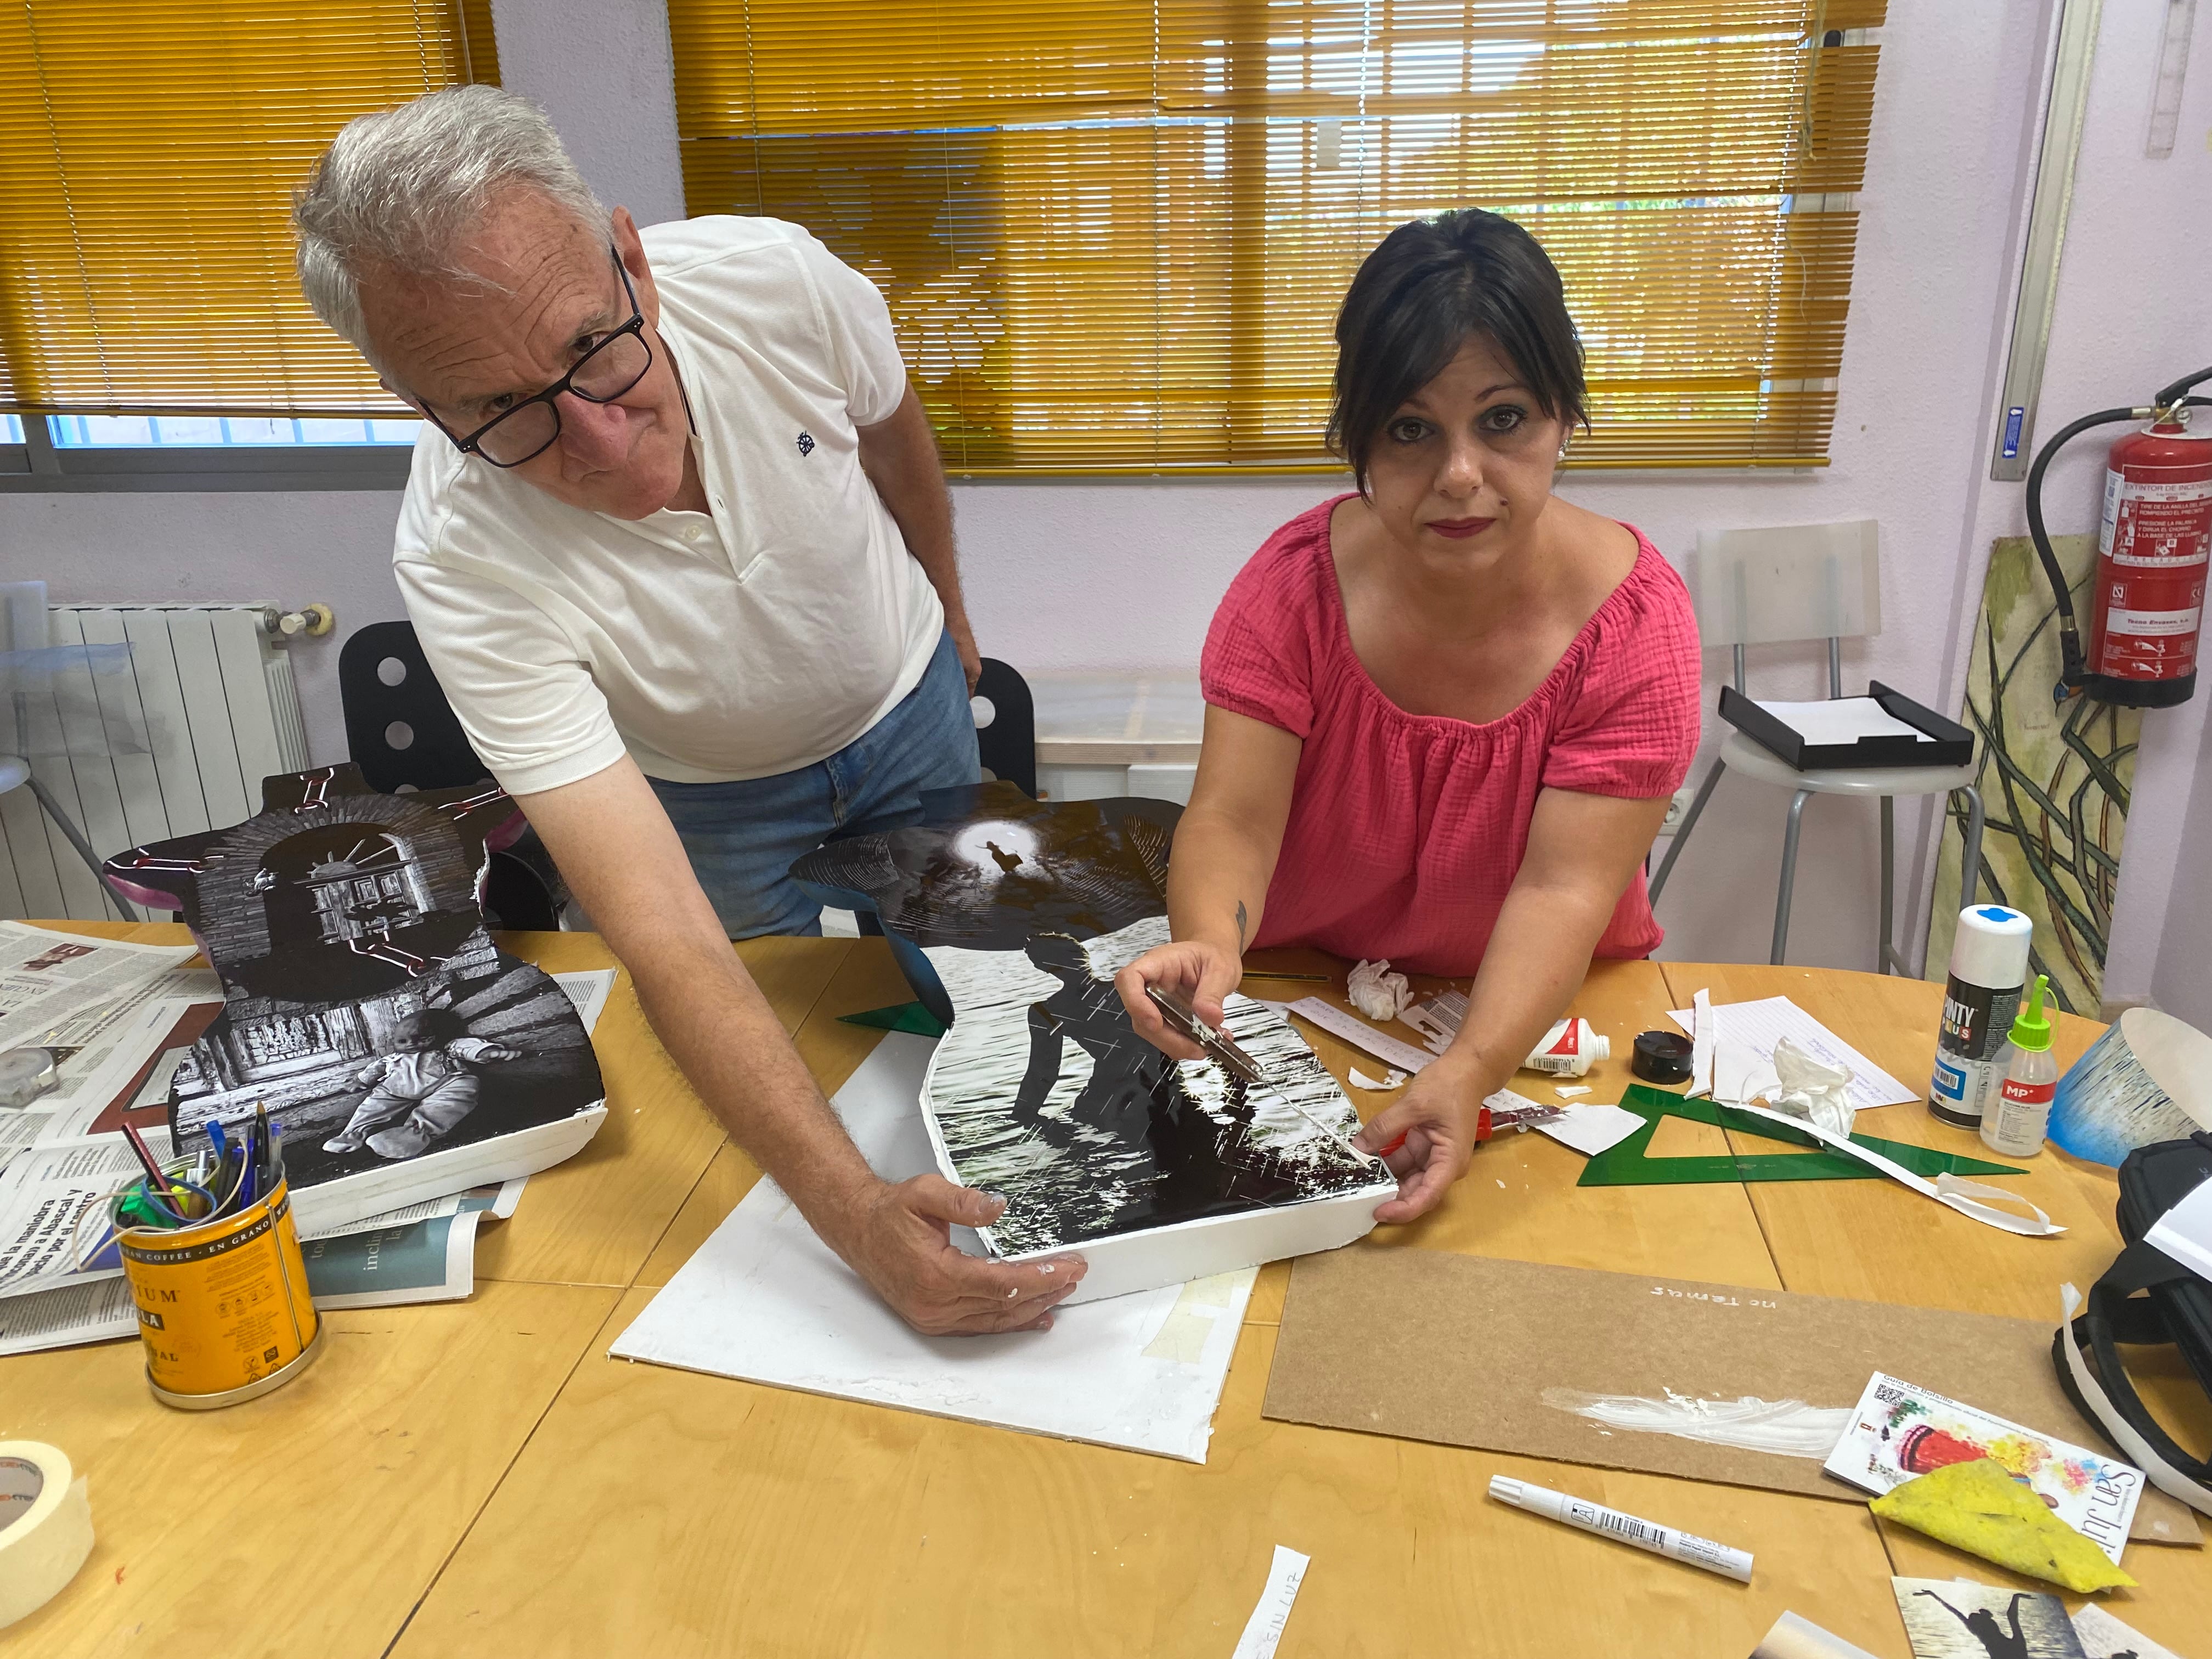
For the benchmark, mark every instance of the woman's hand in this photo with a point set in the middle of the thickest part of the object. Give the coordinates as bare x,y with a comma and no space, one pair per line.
1437,1116
1202,972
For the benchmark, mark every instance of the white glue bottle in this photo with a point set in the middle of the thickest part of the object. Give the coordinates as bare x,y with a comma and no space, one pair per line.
1988,962
1570,1048
2015,1124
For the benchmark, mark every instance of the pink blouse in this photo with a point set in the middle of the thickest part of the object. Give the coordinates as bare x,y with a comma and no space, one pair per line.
1406,830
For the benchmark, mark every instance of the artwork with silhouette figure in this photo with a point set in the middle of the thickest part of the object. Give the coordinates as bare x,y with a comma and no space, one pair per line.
1042,1091
1954,1619
984,867
364,1003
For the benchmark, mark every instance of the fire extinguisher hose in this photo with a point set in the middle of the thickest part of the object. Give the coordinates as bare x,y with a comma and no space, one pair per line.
2070,636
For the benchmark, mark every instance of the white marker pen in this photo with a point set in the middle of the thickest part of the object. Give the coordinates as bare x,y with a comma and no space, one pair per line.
1612,1523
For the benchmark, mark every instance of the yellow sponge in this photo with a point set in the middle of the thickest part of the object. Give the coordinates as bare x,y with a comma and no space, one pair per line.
1982,1510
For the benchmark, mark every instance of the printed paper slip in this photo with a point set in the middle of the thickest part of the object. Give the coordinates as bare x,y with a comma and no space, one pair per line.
1759,1026
1899,1431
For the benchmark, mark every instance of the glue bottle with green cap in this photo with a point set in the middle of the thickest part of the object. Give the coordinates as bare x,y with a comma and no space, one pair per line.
2016,1127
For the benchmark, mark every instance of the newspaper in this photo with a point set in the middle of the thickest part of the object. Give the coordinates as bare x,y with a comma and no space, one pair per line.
49,981
45,1193
425,1252
426,1258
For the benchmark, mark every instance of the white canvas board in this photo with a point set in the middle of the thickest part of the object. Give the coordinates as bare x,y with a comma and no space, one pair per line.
765,1300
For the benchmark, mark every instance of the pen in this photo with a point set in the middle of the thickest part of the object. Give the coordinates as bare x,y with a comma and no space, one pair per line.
157,1181
1580,1513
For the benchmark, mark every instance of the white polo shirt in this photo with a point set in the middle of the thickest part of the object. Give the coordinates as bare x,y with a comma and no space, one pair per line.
759,637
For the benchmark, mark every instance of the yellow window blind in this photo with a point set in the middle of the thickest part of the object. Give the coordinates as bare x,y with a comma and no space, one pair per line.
148,151
1114,234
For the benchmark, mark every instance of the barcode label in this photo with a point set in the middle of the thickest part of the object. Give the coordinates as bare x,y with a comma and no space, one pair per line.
1628,1527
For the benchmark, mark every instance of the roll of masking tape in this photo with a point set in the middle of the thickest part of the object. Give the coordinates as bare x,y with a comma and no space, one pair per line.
45,1526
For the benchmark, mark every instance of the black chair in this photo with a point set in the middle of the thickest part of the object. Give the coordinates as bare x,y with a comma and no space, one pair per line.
404,736
1006,726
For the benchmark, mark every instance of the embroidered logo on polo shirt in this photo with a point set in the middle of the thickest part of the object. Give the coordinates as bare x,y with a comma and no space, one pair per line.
806,443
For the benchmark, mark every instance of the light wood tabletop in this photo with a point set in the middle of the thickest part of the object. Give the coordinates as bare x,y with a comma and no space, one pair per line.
481,1479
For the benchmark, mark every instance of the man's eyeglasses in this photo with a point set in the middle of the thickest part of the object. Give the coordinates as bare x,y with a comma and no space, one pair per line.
527,429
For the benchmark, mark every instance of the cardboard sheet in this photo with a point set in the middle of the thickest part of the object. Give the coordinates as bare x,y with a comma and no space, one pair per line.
1462,1350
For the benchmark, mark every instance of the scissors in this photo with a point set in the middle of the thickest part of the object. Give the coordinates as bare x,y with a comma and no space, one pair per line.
1219,1046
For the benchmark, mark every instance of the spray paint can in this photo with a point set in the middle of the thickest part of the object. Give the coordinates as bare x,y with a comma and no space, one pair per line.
1988,966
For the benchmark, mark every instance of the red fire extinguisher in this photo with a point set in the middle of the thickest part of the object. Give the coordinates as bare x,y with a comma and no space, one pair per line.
2147,600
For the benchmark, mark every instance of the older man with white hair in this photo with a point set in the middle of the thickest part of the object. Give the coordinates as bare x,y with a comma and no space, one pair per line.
677,544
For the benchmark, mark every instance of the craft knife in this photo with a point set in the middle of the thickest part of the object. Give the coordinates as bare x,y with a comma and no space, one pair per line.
1220,1048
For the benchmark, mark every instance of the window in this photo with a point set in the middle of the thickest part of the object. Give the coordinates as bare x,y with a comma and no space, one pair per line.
1114,234
147,155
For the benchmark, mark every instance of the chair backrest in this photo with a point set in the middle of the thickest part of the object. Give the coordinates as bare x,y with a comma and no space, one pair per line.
1006,726
399,725
1810,582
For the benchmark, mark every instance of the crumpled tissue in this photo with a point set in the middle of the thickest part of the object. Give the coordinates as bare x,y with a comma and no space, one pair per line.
1811,1089
1377,992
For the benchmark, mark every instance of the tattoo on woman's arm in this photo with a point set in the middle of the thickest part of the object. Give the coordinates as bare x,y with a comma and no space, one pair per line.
1240,924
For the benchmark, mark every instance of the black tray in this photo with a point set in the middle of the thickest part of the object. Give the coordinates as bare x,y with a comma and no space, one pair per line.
1954,744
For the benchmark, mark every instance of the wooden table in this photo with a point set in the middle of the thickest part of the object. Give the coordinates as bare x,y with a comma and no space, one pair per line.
480,1479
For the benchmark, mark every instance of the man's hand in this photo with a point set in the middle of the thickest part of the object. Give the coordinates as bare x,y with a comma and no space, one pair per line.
964,641
1437,1116
1204,973
899,1239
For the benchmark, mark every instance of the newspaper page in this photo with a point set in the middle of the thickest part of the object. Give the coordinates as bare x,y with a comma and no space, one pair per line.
431,1260
428,1260
47,979
45,1193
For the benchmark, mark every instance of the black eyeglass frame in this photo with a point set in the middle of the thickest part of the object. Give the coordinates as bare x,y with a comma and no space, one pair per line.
472,445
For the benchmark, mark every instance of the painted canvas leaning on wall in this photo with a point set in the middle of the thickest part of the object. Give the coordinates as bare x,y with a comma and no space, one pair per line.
2056,778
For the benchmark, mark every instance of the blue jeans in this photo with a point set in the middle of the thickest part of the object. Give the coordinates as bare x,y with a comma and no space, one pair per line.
742,838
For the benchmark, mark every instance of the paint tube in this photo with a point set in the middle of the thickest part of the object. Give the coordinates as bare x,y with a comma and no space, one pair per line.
1570,1048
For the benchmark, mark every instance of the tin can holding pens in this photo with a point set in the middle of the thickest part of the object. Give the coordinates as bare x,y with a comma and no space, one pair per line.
222,1301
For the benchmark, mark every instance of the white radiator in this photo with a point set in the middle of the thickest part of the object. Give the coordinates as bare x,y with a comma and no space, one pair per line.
215,701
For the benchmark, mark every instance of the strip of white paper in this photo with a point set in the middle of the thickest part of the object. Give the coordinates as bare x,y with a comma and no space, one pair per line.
1359,1034
1954,1191
2160,1473
1264,1629
1758,1026
765,1300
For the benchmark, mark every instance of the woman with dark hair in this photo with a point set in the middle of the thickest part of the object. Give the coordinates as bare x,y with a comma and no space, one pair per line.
1444,714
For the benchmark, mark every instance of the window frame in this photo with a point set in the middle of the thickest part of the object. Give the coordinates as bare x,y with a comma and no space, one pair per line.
40,466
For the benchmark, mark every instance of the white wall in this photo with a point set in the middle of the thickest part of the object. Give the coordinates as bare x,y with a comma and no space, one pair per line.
1124,576
2181,981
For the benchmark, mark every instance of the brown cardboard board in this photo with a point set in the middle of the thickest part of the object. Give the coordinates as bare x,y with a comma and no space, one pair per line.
1459,1349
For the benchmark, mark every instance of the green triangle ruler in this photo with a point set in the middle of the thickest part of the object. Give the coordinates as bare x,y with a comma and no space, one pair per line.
1628,1164
899,1016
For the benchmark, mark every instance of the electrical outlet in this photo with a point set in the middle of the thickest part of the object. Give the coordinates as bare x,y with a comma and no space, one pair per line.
1678,809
